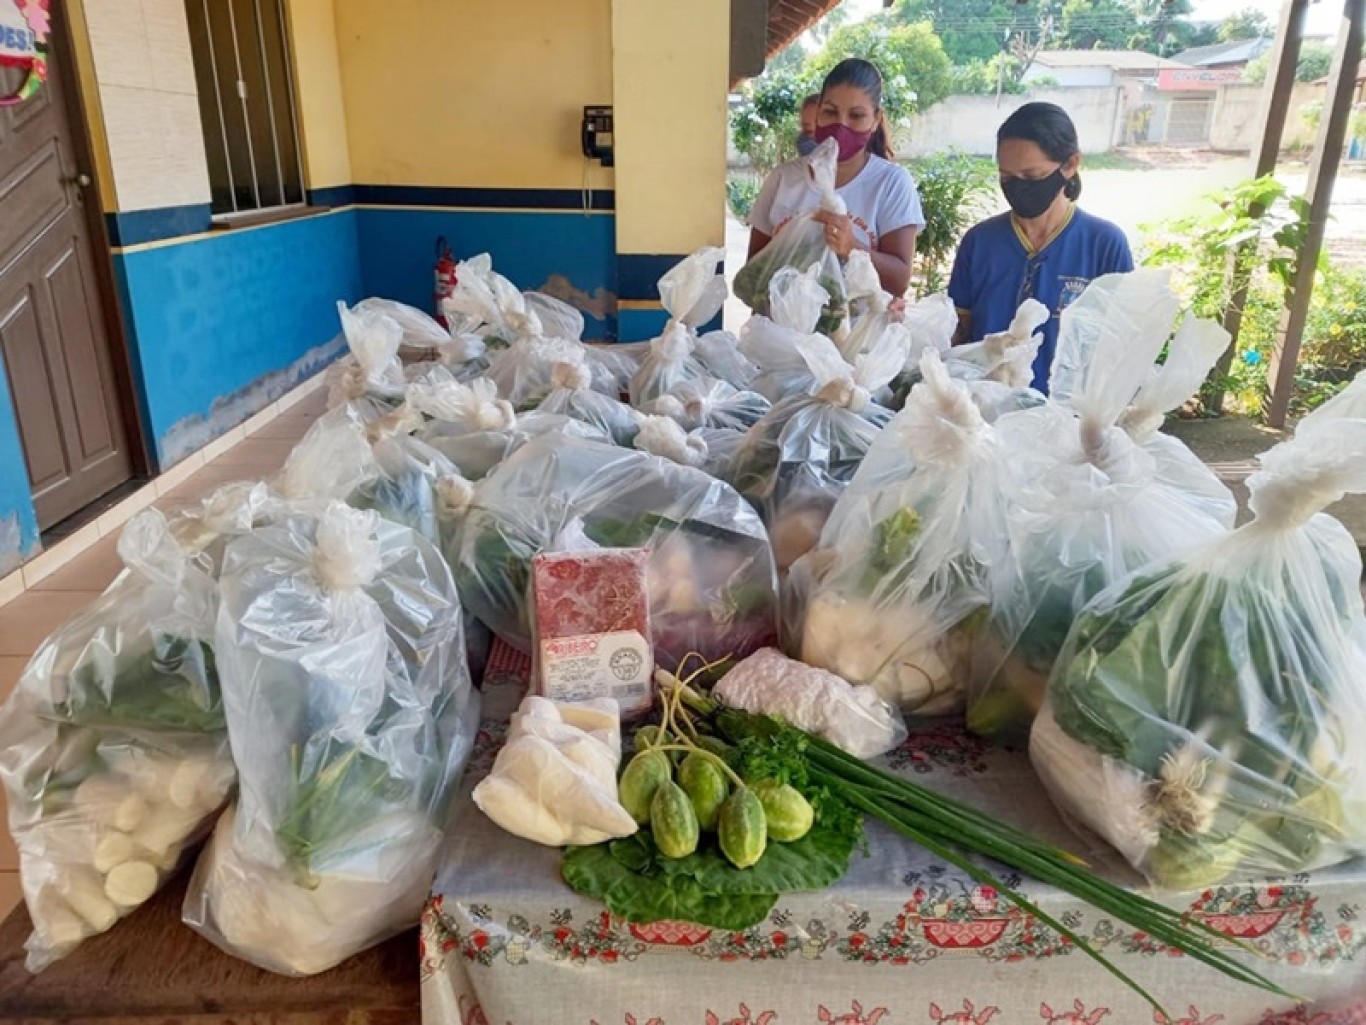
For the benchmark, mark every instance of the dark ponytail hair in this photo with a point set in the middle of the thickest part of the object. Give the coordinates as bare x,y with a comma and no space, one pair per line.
864,75
1047,126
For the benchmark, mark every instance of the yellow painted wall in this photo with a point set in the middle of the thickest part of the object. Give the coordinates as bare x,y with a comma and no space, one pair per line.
670,65
318,90
475,94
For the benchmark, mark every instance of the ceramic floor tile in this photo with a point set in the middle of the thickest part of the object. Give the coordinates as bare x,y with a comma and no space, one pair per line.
11,666
92,570
285,428
27,620
255,453
10,894
312,405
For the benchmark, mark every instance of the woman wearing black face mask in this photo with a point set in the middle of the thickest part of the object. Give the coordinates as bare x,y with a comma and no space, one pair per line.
1045,248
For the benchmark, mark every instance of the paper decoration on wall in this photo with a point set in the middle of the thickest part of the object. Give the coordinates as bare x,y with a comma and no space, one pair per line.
24,29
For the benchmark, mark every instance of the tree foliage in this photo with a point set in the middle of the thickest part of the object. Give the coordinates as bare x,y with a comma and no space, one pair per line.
1249,23
1316,60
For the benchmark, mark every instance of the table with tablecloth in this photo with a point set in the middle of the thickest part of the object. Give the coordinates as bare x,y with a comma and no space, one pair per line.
902,938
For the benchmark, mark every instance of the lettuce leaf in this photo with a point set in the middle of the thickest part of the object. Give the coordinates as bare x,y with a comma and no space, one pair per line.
636,882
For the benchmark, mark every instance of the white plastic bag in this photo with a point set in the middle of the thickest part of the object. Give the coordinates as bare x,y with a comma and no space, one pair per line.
332,460
770,342
711,580
795,462
907,554
555,780
476,430
692,293
524,370
707,402
931,322
420,331
719,353
1088,505
113,751
351,716
800,243
854,719
1204,714
571,394
371,378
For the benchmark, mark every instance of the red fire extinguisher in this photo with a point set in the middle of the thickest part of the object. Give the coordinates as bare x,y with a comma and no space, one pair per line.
445,277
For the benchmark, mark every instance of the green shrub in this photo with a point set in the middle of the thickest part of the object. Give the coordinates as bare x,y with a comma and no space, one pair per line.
741,192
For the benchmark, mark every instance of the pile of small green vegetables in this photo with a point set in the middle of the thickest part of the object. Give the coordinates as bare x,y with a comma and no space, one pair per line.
643,879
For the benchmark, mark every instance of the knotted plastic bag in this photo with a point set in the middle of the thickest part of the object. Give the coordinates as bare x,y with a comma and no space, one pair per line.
1205,712
350,714
476,430
707,448
1088,505
770,342
795,462
370,379
902,577
113,750
572,395
707,402
799,244
711,577
692,293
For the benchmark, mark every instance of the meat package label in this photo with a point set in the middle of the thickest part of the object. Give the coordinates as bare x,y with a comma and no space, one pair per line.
607,665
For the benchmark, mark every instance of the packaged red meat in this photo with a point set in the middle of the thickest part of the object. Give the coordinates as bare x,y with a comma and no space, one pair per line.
592,626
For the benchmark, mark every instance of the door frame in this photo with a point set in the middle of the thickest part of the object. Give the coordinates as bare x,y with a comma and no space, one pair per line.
83,144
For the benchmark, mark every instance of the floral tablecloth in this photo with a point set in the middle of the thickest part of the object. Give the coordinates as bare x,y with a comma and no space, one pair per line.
902,938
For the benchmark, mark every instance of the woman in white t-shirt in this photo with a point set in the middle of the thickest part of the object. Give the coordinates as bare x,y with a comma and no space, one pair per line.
884,207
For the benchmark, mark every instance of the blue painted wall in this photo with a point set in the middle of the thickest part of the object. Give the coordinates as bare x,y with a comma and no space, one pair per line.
211,317
16,501
396,253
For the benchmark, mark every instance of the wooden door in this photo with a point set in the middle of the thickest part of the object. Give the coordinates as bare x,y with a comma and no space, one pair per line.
54,337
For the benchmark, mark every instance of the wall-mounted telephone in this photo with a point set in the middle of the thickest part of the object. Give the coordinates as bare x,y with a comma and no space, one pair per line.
597,134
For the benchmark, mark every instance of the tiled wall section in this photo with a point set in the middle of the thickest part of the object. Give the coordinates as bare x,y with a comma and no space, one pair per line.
148,96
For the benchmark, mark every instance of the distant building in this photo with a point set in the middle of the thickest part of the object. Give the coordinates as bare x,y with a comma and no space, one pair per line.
1081,68
1230,56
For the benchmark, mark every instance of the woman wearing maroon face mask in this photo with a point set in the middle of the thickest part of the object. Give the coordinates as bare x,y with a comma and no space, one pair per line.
884,207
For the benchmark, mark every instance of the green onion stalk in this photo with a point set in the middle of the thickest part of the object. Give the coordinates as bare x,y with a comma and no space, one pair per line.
954,832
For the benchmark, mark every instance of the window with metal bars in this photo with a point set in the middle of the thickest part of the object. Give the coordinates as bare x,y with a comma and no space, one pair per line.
246,104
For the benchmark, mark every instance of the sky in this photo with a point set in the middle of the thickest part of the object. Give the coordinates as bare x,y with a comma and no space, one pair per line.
1323,14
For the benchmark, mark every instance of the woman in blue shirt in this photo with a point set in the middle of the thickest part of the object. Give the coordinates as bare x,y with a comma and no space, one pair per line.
1045,248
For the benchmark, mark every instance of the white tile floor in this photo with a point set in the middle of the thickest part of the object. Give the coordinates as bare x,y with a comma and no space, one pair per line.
59,594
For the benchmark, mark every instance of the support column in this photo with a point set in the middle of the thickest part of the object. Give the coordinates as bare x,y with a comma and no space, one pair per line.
1323,170
1280,82
670,71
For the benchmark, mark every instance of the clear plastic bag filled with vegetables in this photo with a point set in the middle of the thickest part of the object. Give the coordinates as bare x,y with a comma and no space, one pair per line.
571,394
707,448
799,244
1205,714
351,716
692,293
421,331
902,578
770,342
707,402
796,461
113,750
1089,504
476,430
370,379
524,371
711,578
